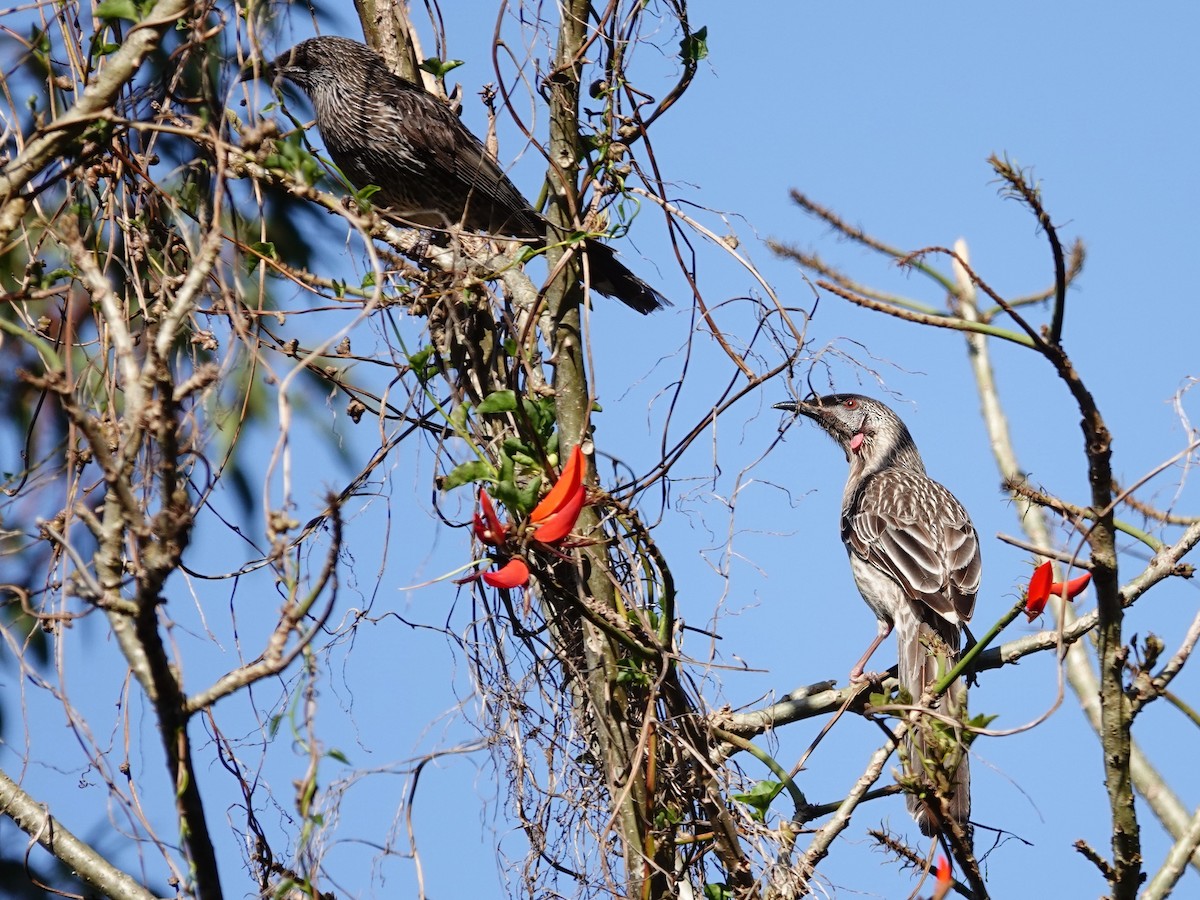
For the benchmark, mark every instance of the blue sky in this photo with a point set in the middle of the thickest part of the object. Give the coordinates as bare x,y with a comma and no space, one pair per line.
887,117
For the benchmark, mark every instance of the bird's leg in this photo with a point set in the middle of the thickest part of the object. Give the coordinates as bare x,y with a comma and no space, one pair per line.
857,674
430,239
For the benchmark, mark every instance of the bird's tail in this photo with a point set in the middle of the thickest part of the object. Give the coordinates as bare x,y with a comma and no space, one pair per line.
611,278
936,753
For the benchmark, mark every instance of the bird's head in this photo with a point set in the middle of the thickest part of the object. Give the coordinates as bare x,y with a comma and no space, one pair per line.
321,61
869,433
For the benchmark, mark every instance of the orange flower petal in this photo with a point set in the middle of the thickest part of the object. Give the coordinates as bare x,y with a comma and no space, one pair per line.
1039,591
1074,587
944,882
513,574
488,528
564,490
558,524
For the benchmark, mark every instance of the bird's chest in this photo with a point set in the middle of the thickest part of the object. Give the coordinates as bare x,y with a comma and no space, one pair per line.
369,140
880,590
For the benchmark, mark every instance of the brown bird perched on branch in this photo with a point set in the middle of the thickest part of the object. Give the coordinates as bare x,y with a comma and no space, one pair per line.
383,130
915,558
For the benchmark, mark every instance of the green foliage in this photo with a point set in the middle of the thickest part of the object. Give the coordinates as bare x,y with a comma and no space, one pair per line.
630,672
498,402
517,498
40,47
717,891
292,156
118,9
362,197
260,250
468,472
980,721
667,817
438,67
423,364
535,416
759,798
694,47
883,698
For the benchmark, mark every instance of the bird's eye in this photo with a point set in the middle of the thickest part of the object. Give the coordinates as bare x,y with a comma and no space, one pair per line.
850,403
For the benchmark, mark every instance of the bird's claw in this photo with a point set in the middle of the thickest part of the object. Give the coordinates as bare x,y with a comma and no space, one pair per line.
859,677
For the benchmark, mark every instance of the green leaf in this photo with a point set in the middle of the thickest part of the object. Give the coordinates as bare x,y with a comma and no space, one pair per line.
498,402
362,197
667,817
517,449
189,196
629,671
118,9
715,891
435,66
261,249
694,47
292,156
759,797
527,497
423,365
468,472
39,43
980,721
506,491
338,755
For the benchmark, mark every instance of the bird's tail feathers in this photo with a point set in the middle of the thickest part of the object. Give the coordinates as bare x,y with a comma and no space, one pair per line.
612,278
936,756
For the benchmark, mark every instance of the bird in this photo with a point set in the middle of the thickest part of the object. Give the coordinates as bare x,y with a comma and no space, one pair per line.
383,130
915,559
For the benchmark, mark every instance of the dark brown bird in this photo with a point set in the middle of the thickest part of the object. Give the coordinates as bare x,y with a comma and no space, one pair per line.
915,558
430,170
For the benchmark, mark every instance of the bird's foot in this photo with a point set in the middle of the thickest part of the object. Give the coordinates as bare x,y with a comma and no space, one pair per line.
859,677
425,243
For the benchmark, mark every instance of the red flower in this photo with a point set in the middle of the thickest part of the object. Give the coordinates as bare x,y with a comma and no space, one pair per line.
488,527
514,573
944,882
551,521
555,516
1041,589
1074,587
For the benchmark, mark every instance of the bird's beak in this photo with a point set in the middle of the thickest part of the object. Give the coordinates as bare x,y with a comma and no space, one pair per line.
250,73
800,408
271,70
811,410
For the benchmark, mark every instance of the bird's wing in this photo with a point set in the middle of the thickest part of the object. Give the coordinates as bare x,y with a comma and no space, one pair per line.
915,530
450,149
